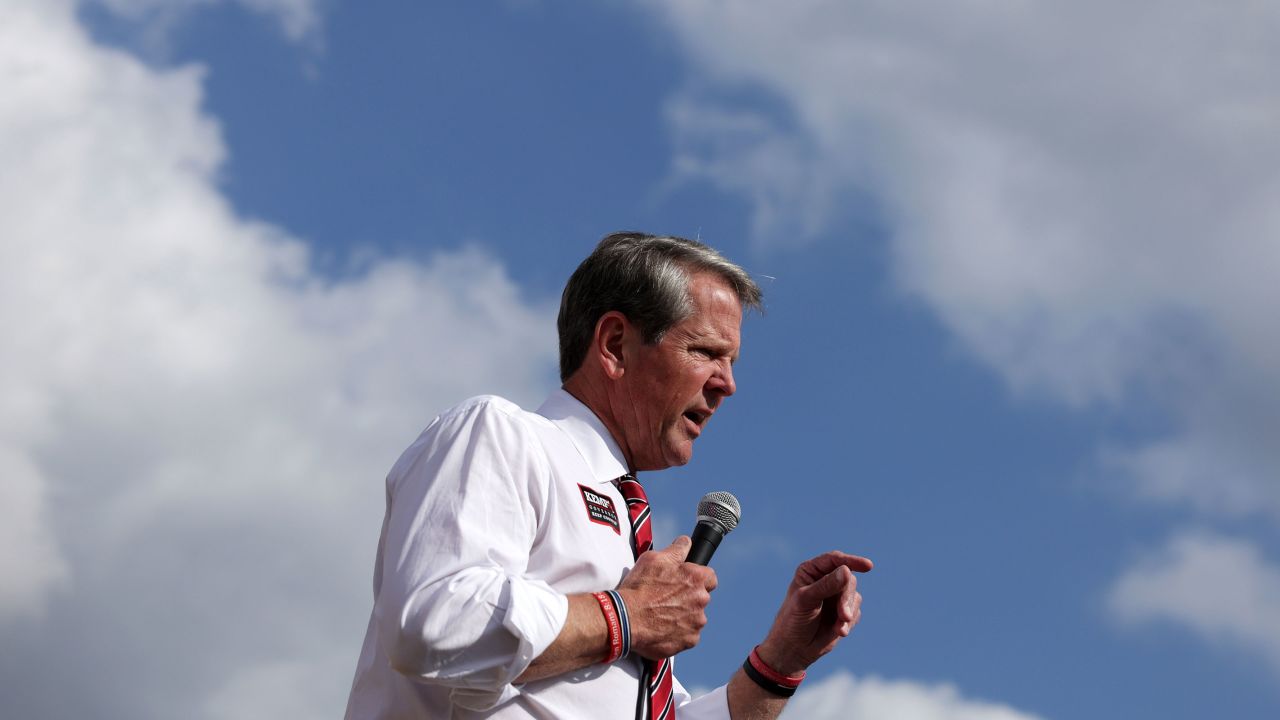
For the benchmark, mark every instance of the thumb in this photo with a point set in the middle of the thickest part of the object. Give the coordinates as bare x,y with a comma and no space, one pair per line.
828,585
679,548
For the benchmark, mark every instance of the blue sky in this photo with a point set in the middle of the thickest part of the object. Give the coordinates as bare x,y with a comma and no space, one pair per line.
1018,346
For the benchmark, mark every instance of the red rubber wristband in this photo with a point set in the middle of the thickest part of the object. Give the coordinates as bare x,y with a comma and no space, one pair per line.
787,681
615,626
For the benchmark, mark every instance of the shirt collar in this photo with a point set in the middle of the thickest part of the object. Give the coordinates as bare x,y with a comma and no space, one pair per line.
588,434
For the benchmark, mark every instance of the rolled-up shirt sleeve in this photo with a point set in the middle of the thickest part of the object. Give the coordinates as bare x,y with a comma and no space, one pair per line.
713,705
453,606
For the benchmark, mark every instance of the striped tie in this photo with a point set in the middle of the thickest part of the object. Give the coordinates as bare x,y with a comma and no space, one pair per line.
656,700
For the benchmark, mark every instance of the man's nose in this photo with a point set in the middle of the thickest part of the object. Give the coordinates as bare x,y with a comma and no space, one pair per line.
722,380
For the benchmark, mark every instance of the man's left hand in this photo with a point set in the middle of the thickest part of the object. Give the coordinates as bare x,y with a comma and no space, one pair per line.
821,607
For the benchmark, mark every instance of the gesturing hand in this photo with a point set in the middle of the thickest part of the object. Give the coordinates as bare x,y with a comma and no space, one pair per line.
666,599
821,607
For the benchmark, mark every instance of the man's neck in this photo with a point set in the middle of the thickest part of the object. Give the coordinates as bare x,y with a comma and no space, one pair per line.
594,396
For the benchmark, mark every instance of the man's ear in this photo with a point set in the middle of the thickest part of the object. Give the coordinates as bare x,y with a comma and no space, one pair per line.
609,342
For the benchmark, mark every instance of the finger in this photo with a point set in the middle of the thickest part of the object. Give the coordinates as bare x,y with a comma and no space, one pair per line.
857,613
847,614
700,575
679,548
856,563
811,570
851,601
860,564
829,585
843,605
709,579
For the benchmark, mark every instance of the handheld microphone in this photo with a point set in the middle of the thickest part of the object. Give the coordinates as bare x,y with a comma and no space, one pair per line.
718,514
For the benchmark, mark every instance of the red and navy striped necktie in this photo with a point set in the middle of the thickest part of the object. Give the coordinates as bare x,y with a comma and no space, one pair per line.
656,700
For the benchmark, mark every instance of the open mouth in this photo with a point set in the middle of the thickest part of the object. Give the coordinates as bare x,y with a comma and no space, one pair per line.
697,418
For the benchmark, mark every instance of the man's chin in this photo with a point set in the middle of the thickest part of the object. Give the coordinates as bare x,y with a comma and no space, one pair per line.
680,455
674,455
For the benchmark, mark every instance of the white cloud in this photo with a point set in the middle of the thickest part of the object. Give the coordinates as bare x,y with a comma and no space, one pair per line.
194,426
29,559
1084,193
298,19
282,689
1220,588
751,153
842,696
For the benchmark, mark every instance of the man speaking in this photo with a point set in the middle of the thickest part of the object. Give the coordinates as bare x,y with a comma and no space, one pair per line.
514,574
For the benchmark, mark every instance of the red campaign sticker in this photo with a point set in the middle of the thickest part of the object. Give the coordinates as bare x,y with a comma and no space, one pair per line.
599,508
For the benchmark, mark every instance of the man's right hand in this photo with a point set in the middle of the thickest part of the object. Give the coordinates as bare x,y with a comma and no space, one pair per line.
666,600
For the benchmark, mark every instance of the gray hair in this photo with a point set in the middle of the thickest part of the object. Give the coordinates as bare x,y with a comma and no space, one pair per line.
646,278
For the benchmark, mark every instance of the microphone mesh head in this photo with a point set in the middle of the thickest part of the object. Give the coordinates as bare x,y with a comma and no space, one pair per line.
720,508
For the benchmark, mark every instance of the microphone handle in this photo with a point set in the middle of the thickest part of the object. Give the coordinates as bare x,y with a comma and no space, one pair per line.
706,538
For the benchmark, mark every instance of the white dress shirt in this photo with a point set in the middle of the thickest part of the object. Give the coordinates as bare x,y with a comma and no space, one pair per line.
494,515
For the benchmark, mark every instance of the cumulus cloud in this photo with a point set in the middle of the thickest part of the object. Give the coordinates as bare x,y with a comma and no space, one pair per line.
842,696
30,562
194,424
1219,587
298,19
1083,193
